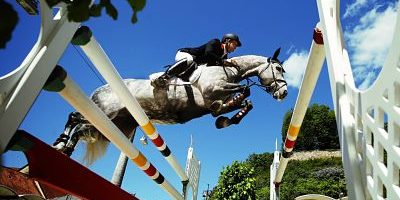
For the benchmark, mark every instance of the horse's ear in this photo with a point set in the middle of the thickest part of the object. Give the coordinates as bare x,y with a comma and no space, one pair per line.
276,54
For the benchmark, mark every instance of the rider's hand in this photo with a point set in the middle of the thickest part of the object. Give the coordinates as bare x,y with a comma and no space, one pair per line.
229,62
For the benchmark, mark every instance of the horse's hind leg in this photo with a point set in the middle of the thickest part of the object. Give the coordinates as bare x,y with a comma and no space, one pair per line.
74,119
219,108
124,121
77,133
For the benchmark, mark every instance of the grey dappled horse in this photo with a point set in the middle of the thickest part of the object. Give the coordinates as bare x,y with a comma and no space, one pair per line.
213,89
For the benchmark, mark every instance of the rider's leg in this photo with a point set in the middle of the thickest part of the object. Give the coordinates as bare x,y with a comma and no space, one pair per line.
185,75
183,60
177,68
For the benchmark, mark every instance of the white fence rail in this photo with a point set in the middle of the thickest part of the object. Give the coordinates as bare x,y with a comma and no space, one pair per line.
368,121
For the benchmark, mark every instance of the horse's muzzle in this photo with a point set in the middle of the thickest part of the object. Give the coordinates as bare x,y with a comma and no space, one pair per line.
280,96
284,94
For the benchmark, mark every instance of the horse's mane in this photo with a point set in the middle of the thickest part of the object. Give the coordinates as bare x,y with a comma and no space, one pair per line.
247,60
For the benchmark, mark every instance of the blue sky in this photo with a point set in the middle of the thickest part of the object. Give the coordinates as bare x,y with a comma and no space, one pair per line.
164,26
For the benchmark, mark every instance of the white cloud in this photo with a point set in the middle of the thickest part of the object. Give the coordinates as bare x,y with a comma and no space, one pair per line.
368,80
368,43
295,66
353,8
291,48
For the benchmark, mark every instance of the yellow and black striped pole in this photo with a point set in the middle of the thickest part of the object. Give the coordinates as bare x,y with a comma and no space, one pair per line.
70,91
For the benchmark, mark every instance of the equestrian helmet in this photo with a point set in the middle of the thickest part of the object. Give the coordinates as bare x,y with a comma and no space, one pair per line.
231,36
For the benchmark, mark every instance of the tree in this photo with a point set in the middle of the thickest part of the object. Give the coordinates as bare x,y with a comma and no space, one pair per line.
9,19
261,164
315,176
78,11
236,182
318,131
318,175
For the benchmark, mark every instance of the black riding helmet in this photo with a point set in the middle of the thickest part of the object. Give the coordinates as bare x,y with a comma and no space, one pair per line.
231,36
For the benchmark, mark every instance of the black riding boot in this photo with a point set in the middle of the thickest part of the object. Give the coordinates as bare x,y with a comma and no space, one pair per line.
178,68
185,75
173,71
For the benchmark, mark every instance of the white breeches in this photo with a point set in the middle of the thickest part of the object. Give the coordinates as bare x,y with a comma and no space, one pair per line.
183,55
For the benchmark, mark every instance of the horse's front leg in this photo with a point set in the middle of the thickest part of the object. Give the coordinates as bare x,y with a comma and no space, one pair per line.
230,88
218,107
223,121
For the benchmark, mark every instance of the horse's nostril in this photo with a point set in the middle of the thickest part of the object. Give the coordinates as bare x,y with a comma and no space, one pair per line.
284,94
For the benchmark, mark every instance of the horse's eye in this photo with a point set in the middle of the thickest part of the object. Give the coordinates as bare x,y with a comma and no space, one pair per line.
279,68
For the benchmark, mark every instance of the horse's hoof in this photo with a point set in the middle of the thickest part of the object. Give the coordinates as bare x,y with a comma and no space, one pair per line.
222,122
68,151
248,104
216,108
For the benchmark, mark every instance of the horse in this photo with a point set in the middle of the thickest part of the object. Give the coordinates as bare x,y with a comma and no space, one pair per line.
212,90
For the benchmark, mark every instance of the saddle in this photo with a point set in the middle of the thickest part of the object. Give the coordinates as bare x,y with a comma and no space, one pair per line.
178,80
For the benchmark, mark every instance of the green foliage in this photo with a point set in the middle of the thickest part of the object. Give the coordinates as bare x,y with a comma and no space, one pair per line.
316,176
9,19
78,11
318,131
235,182
136,6
261,164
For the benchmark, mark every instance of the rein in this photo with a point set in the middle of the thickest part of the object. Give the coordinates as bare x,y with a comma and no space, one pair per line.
268,89
250,82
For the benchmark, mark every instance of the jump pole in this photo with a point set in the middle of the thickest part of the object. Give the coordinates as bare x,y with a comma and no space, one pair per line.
315,61
99,58
71,92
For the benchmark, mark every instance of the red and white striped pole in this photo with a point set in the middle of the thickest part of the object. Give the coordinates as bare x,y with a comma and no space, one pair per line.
106,68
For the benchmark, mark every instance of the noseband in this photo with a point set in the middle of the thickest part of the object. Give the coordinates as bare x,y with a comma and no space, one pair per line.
271,89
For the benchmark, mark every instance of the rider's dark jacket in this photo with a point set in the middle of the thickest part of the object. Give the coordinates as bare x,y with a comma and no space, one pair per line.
211,53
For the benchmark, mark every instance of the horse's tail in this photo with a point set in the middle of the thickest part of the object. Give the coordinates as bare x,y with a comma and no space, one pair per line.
96,145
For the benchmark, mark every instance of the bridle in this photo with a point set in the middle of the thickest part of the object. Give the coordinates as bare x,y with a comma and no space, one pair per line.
268,89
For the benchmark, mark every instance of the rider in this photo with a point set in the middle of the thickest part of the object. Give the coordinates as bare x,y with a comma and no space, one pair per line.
213,52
